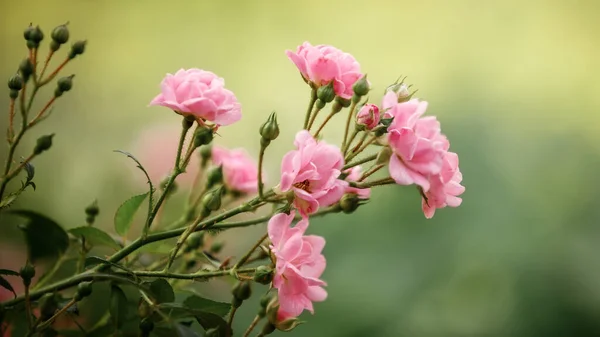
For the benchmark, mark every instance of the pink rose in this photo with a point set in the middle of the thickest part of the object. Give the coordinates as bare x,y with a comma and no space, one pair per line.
299,264
201,94
368,116
311,172
417,143
322,64
445,187
240,171
156,148
354,173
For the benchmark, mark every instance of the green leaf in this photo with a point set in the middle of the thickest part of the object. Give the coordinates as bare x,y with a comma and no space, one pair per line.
125,213
44,237
141,167
95,236
118,306
8,272
205,305
6,285
162,291
94,260
211,321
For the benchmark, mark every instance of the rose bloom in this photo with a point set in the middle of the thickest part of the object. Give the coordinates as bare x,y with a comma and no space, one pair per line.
199,93
368,116
240,171
416,141
299,264
156,148
322,64
445,187
311,172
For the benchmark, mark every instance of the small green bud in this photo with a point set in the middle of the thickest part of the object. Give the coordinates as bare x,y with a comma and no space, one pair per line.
65,84
146,325
15,82
270,129
32,44
326,93
212,200
36,35
242,290
267,329
13,94
265,300
60,34
28,32
203,136
26,69
349,203
216,247
57,92
263,275
77,48
214,177
84,289
205,154
195,240
48,305
320,104
362,86
92,209
343,102
188,122
27,273
288,324
43,144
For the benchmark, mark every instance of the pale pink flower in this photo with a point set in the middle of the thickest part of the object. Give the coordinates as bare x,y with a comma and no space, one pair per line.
201,94
417,143
445,187
311,172
240,172
368,116
354,173
299,264
322,64
156,148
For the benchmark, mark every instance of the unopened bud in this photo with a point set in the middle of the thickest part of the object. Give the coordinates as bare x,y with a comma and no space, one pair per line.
195,240
349,203
216,247
65,84
77,48
203,136
84,289
13,94
280,323
383,157
144,309
326,93
36,35
368,116
27,274
188,122
343,101
263,275
242,290
172,188
270,129
214,177
320,104
205,154
26,69
60,34
267,329
212,200
28,32
362,86
43,144
92,209
383,126
15,82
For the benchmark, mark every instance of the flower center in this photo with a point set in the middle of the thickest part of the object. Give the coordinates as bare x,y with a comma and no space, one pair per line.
303,185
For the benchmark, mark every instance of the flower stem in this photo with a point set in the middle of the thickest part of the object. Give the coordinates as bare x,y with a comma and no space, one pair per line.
261,156
311,103
360,162
50,54
361,149
350,114
54,73
41,113
252,326
249,253
354,134
313,117
18,169
378,182
11,118
55,316
325,122
231,315
371,171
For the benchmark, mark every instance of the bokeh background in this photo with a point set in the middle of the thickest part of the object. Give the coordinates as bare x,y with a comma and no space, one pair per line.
514,84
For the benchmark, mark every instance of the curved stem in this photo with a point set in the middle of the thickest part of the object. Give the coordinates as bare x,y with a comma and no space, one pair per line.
354,133
324,123
261,155
50,320
313,117
362,148
350,114
50,54
54,73
11,118
371,171
252,326
249,253
231,315
360,162
311,103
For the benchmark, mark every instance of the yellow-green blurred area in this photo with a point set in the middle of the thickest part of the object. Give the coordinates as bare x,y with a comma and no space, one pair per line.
514,84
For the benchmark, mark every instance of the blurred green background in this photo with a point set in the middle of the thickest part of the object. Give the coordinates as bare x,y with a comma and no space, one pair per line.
514,84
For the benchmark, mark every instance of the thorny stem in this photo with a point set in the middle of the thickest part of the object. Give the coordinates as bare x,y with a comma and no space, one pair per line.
360,142
252,326
55,316
311,103
350,114
188,231
360,162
